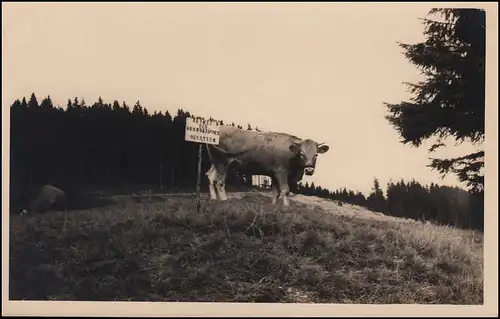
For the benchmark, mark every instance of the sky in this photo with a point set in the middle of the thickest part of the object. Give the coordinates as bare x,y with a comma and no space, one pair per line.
315,70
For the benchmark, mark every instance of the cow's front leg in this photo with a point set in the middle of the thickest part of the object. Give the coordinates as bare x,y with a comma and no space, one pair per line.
276,189
282,178
221,188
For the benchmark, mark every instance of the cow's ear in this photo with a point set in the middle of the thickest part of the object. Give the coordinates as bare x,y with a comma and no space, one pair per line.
295,148
323,148
296,143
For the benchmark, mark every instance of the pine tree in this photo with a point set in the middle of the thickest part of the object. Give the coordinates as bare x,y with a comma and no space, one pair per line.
47,103
116,105
376,200
24,104
137,109
16,105
450,102
312,189
33,103
99,103
76,103
318,191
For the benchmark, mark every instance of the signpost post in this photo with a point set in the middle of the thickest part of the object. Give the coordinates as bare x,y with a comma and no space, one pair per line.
202,132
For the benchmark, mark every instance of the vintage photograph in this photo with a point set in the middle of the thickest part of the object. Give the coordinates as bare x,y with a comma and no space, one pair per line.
245,153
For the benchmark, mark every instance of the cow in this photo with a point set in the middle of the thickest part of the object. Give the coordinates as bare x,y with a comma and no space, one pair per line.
283,157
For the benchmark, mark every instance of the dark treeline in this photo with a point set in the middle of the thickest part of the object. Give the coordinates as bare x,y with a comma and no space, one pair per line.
343,195
439,204
114,145
101,145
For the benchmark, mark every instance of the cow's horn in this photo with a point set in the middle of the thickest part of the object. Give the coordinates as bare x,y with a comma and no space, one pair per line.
296,140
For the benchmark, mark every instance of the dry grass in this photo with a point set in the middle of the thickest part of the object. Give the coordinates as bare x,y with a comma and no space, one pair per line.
243,250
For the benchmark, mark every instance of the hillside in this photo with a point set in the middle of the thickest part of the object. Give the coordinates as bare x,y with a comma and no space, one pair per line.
243,250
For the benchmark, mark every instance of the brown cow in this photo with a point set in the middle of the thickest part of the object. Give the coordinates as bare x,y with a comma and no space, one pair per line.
282,157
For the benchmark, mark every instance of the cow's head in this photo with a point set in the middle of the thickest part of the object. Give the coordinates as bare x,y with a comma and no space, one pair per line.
307,151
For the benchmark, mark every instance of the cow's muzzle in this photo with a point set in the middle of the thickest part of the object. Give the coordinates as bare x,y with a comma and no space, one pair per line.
309,171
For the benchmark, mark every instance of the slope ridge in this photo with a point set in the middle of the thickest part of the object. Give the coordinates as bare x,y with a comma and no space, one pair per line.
242,250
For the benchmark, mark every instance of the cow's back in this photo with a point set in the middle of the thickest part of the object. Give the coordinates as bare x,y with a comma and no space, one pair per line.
237,140
257,152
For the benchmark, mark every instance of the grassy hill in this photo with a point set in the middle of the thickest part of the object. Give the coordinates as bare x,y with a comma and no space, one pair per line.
243,250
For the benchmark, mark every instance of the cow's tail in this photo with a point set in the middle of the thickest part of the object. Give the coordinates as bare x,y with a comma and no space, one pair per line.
210,156
209,153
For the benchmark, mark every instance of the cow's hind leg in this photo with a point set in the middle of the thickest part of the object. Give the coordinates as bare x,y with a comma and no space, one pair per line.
212,180
221,182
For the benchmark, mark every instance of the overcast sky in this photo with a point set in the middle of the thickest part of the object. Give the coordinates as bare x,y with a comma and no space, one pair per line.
319,71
